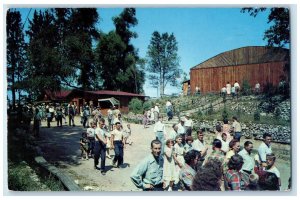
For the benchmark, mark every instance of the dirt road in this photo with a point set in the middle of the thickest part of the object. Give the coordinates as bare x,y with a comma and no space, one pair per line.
61,148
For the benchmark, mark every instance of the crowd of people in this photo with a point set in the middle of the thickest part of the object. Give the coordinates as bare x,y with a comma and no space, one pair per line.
178,162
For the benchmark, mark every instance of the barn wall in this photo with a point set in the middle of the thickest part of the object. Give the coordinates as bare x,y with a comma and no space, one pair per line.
214,78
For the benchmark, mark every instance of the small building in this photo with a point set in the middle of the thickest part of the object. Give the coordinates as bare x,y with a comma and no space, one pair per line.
80,97
185,87
255,64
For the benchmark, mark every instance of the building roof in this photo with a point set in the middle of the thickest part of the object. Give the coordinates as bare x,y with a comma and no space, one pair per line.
246,55
116,93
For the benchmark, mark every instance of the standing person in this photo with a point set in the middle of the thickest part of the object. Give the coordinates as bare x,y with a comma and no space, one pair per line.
97,114
59,116
236,86
160,132
100,145
234,146
71,112
86,115
271,158
169,172
188,145
187,172
216,153
145,119
181,130
169,110
49,118
257,88
116,113
226,129
127,134
249,162
264,149
233,177
156,112
91,137
233,94
110,119
151,118
173,133
37,122
118,143
228,88
179,159
200,145
237,129
188,124
148,175
223,92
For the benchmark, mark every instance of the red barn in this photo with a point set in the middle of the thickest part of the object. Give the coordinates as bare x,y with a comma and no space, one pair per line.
254,64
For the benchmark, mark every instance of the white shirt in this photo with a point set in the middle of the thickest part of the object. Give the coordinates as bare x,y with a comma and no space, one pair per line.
118,134
168,103
236,126
199,146
225,144
159,127
171,135
236,85
263,150
249,162
90,132
257,85
100,133
180,129
223,89
156,109
275,171
188,123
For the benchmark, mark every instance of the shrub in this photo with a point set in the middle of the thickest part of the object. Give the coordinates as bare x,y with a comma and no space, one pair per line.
210,109
225,113
147,105
135,106
246,88
256,115
277,113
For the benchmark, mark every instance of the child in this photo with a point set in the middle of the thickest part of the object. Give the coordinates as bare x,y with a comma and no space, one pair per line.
169,165
91,137
84,145
127,134
179,160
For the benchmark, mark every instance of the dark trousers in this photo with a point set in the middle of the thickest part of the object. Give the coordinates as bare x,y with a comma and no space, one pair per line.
84,121
59,121
71,119
237,135
100,150
92,144
48,121
119,153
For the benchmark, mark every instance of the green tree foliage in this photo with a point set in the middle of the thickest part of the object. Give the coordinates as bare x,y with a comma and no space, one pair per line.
147,105
246,88
135,106
279,32
163,61
16,53
117,59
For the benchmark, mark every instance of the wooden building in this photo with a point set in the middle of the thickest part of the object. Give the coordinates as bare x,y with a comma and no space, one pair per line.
255,64
80,97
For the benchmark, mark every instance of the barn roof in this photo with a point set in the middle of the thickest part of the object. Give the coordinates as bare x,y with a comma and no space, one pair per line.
246,55
116,93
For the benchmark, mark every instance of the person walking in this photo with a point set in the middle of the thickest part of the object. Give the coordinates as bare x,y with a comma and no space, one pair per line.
237,129
148,175
100,146
118,143
160,132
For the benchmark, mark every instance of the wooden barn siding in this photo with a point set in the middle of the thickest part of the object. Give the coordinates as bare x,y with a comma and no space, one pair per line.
213,79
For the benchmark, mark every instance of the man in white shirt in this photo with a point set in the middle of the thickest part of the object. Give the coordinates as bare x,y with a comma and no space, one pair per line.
271,166
200,145
188,124
237,129
225,143
160,132
249,162
173,133
100,145
265,148
236,86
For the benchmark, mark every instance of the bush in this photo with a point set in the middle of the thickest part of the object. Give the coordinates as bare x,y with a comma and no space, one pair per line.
136,106
225,113
256,115
246,88
210,109
147,105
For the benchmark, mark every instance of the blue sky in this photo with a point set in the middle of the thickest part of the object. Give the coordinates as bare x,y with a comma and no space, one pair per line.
201,32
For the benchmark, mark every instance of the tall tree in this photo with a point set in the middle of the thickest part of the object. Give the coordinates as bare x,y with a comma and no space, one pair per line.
163,61
279,32
44,69
16,52
117,59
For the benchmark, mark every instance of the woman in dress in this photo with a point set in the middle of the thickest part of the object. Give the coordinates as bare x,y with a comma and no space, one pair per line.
179,159
169,166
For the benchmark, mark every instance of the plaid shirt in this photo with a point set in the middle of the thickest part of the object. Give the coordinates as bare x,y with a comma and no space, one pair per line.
232,180
186,175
